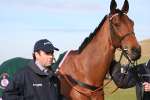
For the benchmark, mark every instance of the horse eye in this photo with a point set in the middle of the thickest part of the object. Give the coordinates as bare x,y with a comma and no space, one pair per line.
117,24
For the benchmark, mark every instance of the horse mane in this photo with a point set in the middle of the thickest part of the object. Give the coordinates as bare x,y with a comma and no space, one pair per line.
90,37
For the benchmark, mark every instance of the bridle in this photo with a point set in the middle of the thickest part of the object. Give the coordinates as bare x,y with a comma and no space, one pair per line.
119,39
115,36
95,89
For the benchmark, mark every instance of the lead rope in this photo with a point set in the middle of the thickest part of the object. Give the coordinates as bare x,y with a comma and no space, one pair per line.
133,64
113,91
130,62
121,77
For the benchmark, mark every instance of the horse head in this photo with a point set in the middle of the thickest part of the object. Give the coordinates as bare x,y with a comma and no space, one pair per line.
122,31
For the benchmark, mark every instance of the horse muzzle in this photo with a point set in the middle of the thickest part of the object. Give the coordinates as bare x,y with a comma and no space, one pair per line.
135,53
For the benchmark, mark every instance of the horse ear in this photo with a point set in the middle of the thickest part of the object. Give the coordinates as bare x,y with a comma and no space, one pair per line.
125,7
113,6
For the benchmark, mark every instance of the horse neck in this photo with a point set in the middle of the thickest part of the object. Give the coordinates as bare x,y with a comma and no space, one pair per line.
98,54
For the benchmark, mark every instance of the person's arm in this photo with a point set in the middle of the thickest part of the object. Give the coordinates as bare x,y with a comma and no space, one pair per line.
121,79
14,89
147,84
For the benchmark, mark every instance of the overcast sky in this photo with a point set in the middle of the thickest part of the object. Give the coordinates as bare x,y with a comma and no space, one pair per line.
64,22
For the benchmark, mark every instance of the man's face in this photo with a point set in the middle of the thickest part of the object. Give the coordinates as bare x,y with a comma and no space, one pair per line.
45,59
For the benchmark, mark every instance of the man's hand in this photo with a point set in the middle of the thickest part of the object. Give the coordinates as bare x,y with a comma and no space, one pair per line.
146,86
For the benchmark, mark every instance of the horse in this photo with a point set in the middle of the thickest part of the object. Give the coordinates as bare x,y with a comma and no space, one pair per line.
82,71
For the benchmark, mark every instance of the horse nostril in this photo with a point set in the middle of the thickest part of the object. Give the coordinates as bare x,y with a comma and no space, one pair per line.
136,53
136,50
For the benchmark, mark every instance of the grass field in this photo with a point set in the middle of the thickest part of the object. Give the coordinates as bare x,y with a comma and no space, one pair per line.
120,94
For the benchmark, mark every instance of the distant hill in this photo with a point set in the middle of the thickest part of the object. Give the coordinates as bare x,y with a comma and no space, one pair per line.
145,47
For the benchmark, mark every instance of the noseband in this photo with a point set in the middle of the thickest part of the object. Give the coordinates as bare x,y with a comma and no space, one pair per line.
115,36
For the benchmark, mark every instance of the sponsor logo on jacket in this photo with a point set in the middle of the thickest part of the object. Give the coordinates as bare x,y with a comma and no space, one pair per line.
37,84
4,80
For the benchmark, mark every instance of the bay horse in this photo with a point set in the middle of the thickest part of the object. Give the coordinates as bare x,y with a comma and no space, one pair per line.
83,71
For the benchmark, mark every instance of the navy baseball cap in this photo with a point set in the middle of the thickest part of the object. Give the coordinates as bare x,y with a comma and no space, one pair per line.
44,45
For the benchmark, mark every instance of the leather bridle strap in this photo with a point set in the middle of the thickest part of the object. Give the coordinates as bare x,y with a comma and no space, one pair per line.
116,36
113,33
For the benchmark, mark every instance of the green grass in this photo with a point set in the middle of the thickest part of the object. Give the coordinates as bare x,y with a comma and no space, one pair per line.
122,94
143,59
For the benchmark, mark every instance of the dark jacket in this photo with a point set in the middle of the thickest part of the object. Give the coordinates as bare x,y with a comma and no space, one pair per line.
30,83
132,77
8,69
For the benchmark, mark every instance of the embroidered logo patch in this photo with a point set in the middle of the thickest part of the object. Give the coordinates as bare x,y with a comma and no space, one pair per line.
37,84
4,80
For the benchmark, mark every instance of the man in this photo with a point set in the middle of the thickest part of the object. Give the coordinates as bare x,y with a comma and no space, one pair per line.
36,81
126,77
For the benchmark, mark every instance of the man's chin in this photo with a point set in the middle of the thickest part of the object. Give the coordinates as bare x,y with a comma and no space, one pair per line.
48,65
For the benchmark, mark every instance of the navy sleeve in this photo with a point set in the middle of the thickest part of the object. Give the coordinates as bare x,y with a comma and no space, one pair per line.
122,79
14,90
58,87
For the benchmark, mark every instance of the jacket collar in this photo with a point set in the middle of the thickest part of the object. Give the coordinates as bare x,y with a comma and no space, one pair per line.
36,69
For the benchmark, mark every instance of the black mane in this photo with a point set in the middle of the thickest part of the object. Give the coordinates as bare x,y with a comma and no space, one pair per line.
90,37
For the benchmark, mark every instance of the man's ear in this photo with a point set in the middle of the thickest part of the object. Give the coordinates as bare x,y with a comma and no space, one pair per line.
37,54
